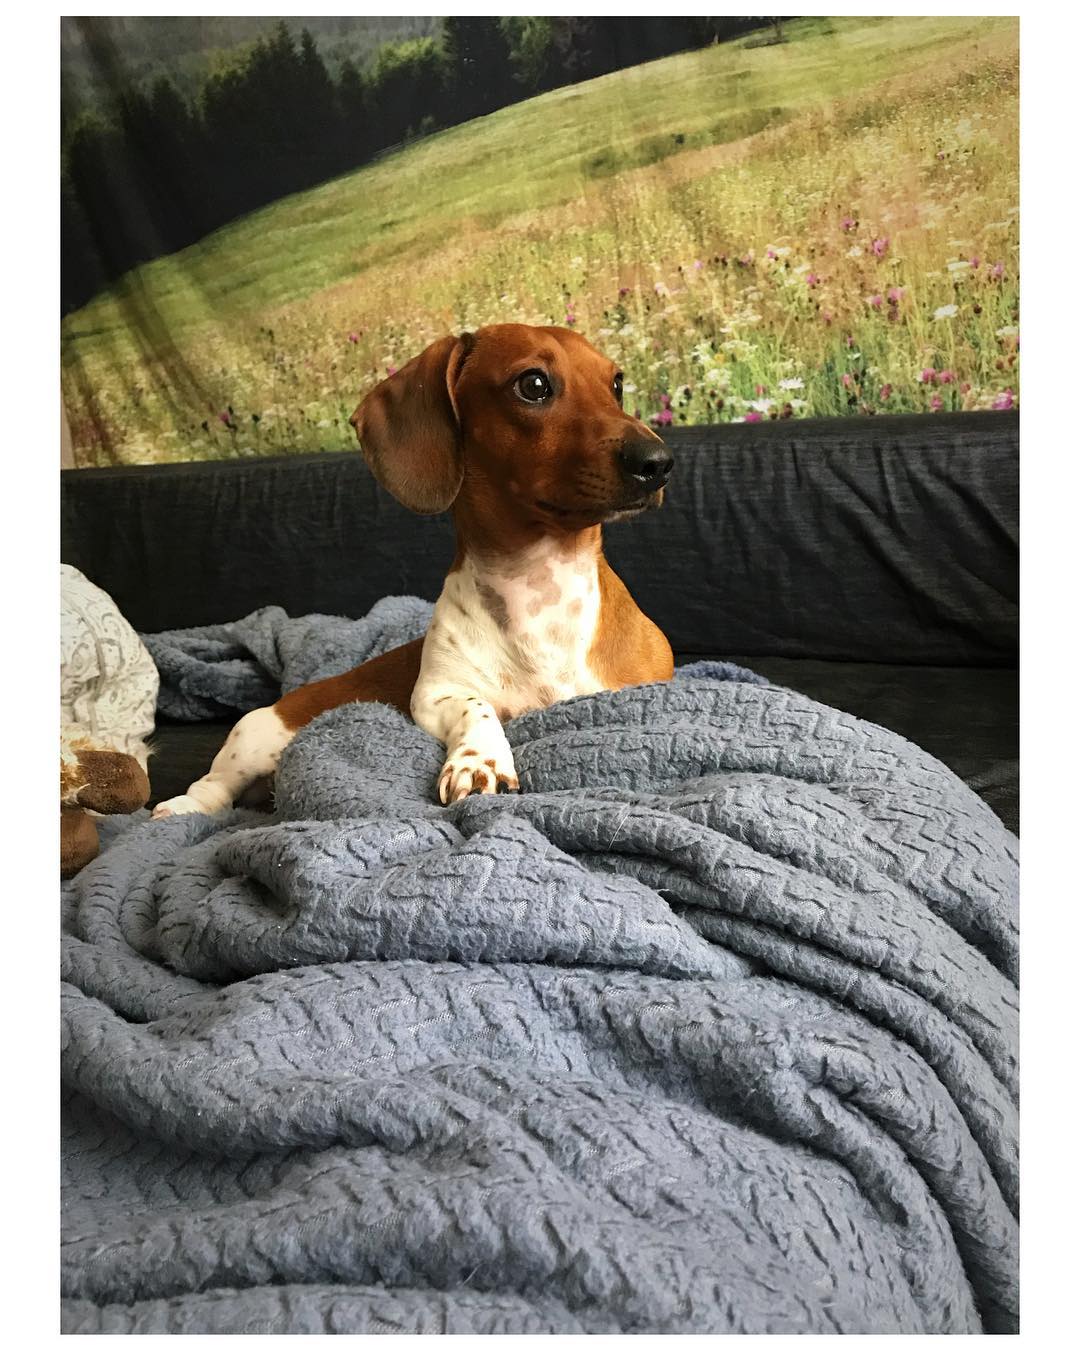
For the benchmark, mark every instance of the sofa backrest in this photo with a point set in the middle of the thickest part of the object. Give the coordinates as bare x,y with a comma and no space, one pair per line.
891,539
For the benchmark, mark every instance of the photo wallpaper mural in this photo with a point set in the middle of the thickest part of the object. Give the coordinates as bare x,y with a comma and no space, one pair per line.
757,218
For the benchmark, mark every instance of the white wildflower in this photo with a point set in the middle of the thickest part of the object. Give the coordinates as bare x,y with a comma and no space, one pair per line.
791,384
627,330
1007,332
854,251
945,312
961,265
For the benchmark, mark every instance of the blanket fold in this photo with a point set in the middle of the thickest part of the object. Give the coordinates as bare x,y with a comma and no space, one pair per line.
712,1028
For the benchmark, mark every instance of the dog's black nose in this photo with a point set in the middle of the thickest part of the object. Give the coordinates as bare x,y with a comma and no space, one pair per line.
647,462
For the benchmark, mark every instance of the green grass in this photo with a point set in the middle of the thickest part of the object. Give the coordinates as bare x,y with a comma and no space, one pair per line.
628,203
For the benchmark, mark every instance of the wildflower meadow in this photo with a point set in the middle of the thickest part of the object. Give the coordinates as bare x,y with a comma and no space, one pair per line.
823,226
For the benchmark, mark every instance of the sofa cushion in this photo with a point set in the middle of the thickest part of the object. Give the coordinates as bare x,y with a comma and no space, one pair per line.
882,539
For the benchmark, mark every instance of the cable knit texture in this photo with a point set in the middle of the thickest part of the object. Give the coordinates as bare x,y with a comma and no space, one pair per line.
710,1029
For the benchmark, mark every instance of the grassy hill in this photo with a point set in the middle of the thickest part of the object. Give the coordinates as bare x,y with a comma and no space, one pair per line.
744,228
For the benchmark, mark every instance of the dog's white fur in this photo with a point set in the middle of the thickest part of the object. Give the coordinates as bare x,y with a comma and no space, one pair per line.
504,639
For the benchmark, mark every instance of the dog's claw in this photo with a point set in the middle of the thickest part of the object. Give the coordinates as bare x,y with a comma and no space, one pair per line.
462,777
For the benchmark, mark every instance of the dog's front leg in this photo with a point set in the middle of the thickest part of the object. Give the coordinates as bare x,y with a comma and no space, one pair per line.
478,755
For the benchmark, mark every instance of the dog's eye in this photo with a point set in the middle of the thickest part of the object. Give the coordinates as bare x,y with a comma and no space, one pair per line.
533,386
616,387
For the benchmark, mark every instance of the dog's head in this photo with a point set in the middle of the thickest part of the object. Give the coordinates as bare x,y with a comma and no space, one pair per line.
531,418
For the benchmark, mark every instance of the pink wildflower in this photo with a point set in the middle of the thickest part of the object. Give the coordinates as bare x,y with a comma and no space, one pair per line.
698,264
826,316
946,377
1003,402
663,418
879,247
391,370
223,417
354,337
875,301
812,279
886,393
770,253
974,262
847,224
849,341
895,294
759,390
928,375
937,403
623,290
752,417
845,380
997,271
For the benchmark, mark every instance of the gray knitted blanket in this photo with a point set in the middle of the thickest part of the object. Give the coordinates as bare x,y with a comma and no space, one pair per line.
710,1029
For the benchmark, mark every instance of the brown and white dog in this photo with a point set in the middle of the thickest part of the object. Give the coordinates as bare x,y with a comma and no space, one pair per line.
521,433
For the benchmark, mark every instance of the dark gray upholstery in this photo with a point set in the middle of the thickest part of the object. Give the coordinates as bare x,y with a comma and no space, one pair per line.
868,562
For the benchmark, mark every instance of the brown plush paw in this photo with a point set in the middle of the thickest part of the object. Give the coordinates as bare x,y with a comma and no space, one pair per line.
116,784
78,840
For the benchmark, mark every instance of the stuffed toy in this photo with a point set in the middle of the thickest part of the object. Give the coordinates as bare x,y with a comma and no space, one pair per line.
93,778
108,694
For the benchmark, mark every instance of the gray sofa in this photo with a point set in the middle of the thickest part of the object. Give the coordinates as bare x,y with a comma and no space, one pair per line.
871,563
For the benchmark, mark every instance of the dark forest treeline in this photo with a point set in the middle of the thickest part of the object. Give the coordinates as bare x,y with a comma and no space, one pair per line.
158,172
189,48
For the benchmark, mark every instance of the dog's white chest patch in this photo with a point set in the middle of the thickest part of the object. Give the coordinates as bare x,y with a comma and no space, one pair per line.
520,636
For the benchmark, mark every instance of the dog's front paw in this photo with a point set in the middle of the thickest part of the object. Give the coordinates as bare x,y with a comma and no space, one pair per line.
177,806
477,768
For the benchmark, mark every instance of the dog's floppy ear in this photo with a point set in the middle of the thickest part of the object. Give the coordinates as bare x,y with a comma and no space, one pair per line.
408,428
